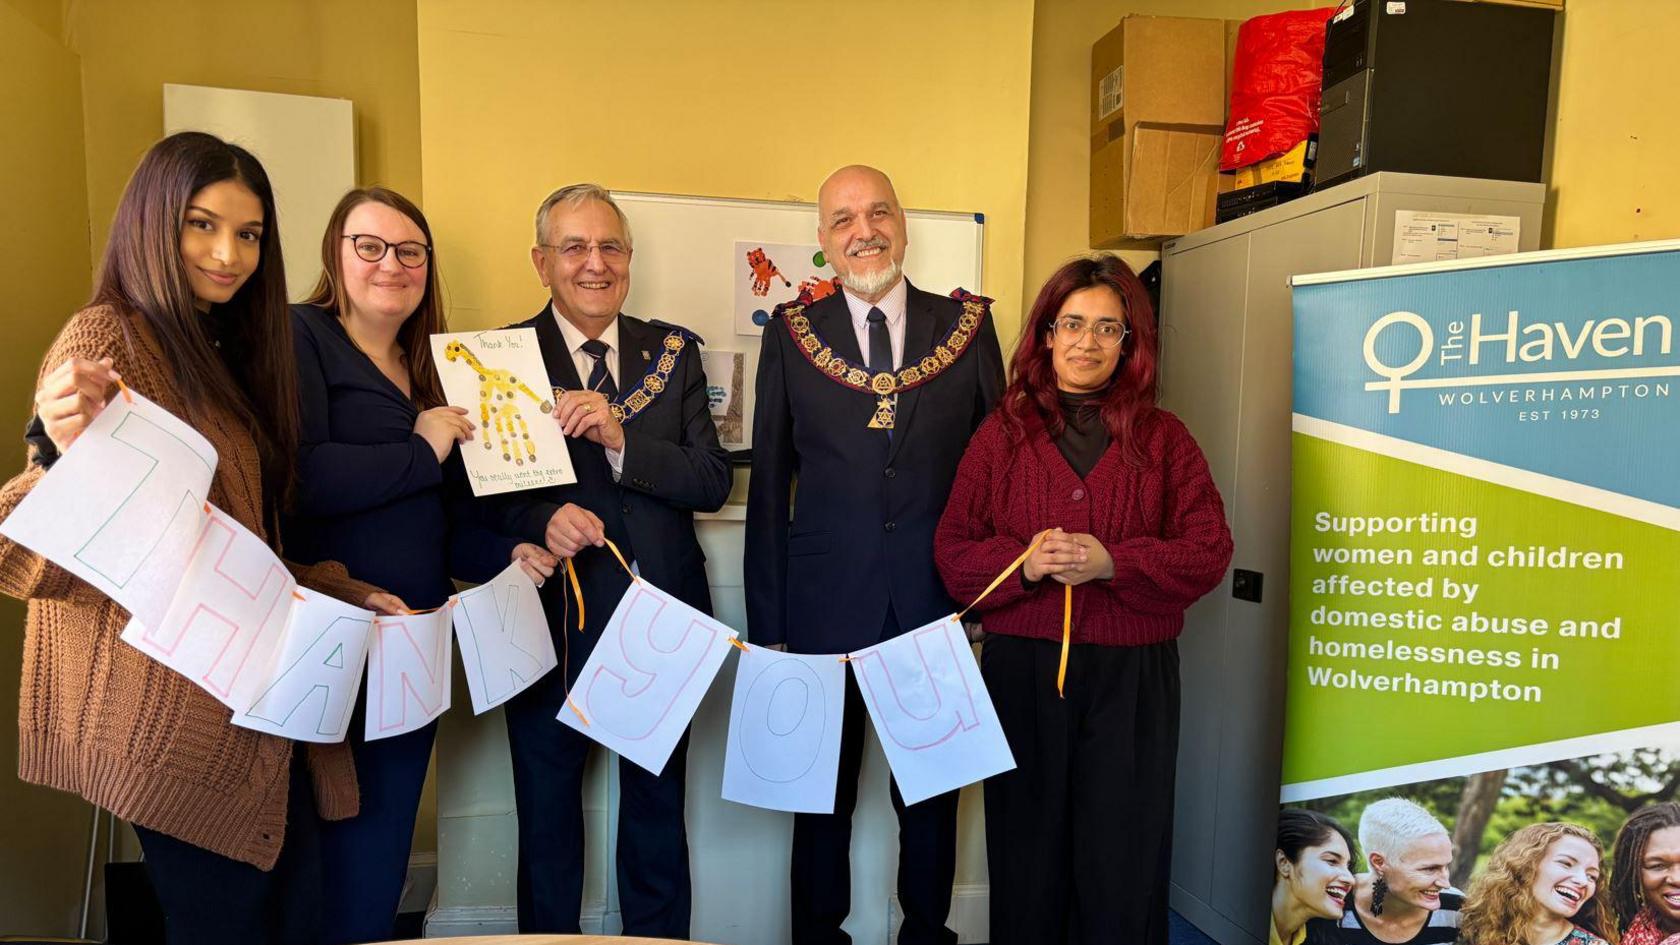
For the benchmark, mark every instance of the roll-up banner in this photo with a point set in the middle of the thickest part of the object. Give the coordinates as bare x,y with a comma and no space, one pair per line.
1485,581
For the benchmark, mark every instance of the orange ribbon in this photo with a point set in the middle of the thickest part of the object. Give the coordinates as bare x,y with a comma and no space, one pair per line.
566,658
1067,609
1067,635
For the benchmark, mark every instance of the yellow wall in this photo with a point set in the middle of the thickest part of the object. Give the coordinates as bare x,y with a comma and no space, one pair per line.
363,50
1615,143
44,267
746,98
1058,177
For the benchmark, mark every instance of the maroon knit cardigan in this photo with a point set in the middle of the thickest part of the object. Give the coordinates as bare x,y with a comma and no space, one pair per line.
1162,522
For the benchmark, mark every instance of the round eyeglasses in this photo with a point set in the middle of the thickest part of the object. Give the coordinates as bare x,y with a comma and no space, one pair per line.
371,248
1070,330
576,251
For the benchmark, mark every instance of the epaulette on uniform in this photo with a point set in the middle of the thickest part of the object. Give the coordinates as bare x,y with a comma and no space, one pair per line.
687,332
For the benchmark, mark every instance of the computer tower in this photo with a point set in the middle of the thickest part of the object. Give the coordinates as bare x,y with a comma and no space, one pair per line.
1435,87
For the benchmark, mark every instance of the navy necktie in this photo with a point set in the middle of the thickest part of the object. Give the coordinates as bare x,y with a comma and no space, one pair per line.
880,343
599,377
880,347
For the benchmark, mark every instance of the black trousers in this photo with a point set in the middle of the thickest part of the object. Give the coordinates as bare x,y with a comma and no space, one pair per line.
364,860
1079,835
209,899
655,896
822,846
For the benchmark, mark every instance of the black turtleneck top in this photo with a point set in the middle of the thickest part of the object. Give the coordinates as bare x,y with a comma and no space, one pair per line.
1083,439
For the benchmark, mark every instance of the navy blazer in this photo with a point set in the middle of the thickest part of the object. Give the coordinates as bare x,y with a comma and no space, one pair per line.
673,467
861,534
370,492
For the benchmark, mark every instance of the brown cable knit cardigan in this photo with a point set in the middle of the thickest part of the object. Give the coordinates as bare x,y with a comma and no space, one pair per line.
98,718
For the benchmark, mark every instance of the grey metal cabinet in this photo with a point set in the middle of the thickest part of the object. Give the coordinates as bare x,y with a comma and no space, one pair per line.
1225,369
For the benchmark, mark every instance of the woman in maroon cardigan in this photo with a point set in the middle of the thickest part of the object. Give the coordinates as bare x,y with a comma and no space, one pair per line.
1079,835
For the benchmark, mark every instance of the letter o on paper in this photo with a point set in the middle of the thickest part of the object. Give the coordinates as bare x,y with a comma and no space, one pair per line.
784,721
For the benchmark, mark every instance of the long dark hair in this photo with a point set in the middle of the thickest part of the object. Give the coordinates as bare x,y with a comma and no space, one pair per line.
1032,395
1299,829
142,270
1626,896
414,337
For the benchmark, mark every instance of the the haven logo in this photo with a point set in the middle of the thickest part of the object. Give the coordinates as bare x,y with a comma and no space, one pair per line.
1490,345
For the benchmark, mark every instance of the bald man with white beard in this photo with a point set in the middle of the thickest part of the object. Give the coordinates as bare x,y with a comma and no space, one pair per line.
868,396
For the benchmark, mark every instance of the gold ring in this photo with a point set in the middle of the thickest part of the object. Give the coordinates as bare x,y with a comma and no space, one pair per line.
588,408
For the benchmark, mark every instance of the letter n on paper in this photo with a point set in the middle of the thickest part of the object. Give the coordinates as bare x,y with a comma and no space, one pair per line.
408,672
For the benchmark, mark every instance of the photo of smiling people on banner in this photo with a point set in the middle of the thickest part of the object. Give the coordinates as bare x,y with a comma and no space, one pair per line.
1311,880
1514,854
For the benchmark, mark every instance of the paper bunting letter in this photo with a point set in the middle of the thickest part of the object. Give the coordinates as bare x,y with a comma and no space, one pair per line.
123,506
931,710
222,628
505,643
318,673
784,731
643,682
408,672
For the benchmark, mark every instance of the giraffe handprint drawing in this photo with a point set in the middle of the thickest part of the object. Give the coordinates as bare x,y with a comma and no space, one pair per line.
499,378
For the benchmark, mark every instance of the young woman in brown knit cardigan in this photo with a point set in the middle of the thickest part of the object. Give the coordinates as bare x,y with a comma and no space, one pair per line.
189,310
1079,835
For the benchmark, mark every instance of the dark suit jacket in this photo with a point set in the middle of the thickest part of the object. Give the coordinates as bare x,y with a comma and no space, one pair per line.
861,535
673,467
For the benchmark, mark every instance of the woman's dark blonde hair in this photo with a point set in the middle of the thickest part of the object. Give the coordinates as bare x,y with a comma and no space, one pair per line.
414,337
1501,903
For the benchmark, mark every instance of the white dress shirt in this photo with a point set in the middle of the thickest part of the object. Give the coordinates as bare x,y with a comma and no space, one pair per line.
585,364
892,306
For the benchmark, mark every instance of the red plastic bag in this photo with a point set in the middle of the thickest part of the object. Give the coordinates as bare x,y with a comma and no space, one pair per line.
1277,79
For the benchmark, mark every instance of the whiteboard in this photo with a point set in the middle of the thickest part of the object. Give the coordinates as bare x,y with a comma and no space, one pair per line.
687,264
306,144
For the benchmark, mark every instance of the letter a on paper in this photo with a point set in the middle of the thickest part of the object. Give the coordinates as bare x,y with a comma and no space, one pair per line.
123,507
784,731
317,673
643,682
931,710
505,643
408,672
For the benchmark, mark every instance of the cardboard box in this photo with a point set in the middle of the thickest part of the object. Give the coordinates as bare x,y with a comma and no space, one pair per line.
1158,102
1159,180
1160,69
1231,27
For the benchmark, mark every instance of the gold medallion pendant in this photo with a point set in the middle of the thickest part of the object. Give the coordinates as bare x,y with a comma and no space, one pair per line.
886,385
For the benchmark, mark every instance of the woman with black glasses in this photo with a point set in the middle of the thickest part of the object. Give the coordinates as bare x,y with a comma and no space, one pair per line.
381,489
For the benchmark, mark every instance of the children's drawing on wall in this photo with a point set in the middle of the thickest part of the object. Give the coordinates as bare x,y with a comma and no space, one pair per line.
496,376
725,380
768,274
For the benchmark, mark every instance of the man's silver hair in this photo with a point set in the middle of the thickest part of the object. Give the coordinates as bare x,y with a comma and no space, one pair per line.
1393,824
574,196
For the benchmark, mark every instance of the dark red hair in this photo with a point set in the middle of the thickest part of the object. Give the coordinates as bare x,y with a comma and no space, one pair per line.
1032,398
